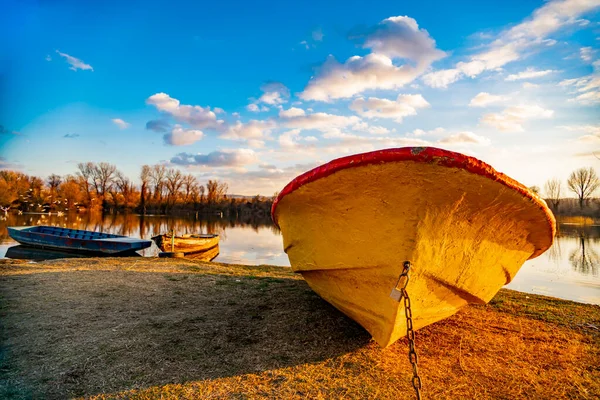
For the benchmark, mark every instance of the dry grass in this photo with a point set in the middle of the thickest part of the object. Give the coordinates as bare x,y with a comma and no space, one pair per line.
150,329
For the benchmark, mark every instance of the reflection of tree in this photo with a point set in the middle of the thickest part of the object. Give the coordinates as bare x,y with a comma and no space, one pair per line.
140,226
554,253
584,259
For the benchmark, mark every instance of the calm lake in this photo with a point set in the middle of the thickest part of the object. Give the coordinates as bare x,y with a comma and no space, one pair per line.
569,270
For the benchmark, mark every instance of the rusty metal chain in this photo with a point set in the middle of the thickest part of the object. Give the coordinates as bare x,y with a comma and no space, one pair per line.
400,293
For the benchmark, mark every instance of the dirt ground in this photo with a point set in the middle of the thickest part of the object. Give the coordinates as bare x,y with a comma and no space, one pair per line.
160,328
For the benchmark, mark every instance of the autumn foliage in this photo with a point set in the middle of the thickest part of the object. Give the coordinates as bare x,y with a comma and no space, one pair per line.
101,186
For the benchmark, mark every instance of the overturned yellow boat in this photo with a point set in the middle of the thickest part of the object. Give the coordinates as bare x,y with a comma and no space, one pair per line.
349,225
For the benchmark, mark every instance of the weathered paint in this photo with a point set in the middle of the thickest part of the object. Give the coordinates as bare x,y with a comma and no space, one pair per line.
76,240
348,226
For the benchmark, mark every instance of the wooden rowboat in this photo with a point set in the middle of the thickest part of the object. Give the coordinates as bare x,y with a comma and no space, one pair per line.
187,244
349,225
76,240
207,255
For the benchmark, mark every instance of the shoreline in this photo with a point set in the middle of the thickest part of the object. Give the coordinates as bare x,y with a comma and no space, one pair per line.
172,328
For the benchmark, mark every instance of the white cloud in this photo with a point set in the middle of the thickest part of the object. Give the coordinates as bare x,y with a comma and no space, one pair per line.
252,130
529,73
451,138
75,63
591,132
464,138
404,105
441,78
120,123
289,139
512,43
586,54
255,143
471,68
588,98
274,93
378,130
48,58
433,132
319,121
484,99
196,116
292,112
393,38
252,107
266,179
351,143
511,119
220,158
373,130
218,110
586,87
529,85
180,136
317,35
400,37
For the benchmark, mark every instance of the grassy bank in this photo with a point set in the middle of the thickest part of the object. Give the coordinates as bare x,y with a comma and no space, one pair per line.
149,328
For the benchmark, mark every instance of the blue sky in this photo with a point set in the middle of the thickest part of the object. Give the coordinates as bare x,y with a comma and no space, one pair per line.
255,93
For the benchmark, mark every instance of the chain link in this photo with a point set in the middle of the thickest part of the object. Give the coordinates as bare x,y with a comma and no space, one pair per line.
413,358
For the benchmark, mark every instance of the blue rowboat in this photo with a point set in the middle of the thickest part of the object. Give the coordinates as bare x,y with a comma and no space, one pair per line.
75,240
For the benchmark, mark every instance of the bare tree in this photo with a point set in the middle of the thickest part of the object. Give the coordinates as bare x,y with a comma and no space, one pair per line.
86,173
70,190
145,178
215,190
201,191
535,189
53,182
103,179
174,183
35,186
553,188
189,181
197,194
122,186
103,176
157,177
583,182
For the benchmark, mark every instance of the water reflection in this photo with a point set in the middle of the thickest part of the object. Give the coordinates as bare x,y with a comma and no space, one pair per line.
569,269
584,258
255,239
35,254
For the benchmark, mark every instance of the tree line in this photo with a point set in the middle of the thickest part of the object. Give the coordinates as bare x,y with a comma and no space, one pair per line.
102,187
582,182
163,190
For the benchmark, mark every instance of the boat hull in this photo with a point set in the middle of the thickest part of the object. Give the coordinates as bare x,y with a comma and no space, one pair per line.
187,244
206,255
77,241
349,231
